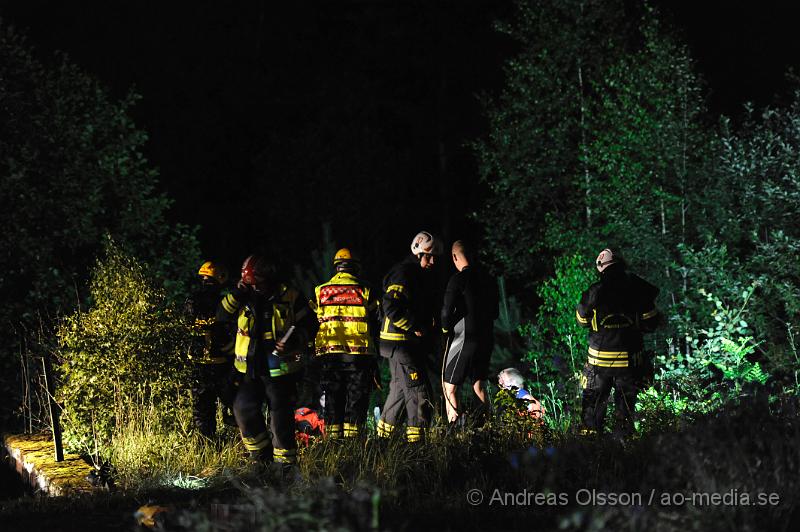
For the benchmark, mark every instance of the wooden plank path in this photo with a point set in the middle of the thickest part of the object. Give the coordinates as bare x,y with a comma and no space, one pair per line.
32,456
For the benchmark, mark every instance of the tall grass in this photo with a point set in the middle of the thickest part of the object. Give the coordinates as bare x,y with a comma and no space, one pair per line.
146,452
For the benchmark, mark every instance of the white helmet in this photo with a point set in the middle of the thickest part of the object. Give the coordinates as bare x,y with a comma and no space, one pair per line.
605,259
425,242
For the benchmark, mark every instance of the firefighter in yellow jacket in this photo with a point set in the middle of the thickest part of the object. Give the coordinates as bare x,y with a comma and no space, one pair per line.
265,311
345,308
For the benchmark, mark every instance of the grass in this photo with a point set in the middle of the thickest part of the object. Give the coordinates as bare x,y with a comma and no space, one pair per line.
367,483
145,454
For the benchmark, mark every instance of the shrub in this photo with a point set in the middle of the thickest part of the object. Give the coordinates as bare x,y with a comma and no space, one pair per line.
716,370
557,344
126,351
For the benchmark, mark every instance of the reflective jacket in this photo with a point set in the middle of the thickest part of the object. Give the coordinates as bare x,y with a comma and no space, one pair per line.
617,310
343,306
260,322
407,304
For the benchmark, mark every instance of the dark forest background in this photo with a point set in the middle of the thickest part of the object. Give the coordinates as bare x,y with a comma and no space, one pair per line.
138,139
544,131
372,101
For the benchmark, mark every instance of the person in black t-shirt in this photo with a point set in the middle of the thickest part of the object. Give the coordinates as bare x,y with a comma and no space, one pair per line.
468,314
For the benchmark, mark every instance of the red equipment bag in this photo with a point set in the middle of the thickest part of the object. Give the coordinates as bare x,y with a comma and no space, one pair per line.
307,425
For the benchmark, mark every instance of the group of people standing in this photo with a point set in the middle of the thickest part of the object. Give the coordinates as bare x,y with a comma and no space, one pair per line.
347,324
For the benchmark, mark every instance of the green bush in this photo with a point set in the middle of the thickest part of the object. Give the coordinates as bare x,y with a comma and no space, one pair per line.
72,170
126,351
557,344
715,371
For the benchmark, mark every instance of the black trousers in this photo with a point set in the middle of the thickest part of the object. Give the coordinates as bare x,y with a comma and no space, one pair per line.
409,398
347,385
209,383
279,394
599,382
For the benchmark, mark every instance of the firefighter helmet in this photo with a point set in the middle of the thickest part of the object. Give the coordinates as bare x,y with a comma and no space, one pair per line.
257,272
605,259
345,260
343,255
214,271
425,242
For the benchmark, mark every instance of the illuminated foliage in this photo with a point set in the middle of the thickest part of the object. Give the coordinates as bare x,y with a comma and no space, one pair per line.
123,355
557,344
641,166
533,158
71,172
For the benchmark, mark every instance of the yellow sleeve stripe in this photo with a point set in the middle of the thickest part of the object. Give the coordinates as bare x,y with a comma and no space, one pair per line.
581,318
651,314
396,288
395,337
403,324
606,354
230,304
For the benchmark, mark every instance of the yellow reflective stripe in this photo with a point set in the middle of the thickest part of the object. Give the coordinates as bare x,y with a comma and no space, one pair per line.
268,336
284,456
230,304
402,324
333,431
648,315
594,320
606,354
284,452
384,429
399,337
414,434
256,443
581,318
395,288
621,363
350,430
608,359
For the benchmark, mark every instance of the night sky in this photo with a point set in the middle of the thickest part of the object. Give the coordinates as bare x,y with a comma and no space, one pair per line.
237,90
